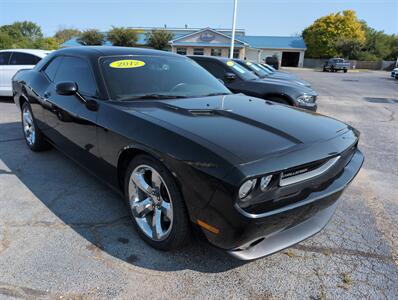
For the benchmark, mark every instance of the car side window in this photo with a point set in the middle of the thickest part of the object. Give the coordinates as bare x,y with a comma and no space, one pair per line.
19,58
52,68
77,70
4,58
214,68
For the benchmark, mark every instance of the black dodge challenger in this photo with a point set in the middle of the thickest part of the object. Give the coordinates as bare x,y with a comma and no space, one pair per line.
255,176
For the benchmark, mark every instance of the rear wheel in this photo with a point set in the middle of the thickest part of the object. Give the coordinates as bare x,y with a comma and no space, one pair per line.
345,70
33,136
157,208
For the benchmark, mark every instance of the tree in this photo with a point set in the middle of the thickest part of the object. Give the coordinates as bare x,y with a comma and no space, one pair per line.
66,34
91,37
394,47
347,48
28,30
19,35
159,38
378,45
49,43
322,35
121,36
6,42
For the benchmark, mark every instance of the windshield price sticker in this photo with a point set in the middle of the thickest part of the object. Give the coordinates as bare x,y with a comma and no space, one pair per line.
127,64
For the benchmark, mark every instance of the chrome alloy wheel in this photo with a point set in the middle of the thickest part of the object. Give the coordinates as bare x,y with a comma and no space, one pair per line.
150,202
28,126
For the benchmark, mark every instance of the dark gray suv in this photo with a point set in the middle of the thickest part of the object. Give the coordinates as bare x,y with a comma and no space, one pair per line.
241,80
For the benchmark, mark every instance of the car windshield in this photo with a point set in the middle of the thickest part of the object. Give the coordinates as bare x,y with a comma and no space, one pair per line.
241,71
157,77
264,68
269,67
261,72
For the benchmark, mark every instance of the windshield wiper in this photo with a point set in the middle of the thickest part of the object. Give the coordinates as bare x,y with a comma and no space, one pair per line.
153,96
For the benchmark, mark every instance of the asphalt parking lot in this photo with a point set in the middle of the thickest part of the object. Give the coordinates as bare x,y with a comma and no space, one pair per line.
63,234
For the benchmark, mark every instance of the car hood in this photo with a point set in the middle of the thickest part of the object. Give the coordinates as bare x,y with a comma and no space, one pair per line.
300,88
250,128
288,77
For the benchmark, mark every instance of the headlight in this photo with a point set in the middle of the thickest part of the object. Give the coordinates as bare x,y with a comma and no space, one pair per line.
246,188
305,99
264,182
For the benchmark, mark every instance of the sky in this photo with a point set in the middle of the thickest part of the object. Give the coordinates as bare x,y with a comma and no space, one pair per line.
257,17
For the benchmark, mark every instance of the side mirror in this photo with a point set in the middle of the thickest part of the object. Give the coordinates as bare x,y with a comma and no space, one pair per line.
230,76
66,88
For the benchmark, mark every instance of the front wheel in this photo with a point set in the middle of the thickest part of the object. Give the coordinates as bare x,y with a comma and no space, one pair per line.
157,208
345,70
33,136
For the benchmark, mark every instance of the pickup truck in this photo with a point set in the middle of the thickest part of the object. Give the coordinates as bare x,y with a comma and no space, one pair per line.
336,64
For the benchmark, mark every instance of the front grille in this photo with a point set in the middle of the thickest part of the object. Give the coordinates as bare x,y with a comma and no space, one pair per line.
313,170
301,169
280,196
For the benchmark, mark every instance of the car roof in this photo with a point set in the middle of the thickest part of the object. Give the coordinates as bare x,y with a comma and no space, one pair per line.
37,52
98,51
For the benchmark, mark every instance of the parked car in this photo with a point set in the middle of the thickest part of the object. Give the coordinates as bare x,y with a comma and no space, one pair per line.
268,67
255,176
272,61
13,60
241,80
264,73
335,65
394,72
273,70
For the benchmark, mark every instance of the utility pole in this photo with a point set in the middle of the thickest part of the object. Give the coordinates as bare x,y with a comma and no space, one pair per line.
231,53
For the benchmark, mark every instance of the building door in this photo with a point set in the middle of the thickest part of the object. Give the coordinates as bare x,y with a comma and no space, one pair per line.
290,59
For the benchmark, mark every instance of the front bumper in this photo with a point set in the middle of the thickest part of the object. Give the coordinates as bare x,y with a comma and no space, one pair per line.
308,106
252,236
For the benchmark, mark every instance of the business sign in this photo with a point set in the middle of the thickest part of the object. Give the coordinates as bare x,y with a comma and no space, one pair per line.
207,36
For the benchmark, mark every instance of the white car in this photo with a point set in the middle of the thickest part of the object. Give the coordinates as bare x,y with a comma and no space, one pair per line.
13,60
394,73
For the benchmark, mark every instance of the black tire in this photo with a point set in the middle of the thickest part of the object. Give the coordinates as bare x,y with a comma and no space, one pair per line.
180,232
324,69
345,70
38,143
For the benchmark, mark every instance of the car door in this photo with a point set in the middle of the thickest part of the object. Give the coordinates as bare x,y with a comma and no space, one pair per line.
4,59
71,124
218,70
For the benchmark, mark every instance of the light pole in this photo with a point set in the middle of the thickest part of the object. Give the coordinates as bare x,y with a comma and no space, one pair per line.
231,53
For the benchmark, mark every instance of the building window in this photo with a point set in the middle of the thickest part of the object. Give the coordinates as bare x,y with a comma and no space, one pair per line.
236,52
198,51
182,51
215,51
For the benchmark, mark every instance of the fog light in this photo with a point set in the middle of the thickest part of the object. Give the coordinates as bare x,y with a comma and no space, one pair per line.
265,182
246,188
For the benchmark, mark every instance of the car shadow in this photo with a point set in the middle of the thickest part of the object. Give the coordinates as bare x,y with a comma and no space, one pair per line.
91,209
